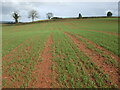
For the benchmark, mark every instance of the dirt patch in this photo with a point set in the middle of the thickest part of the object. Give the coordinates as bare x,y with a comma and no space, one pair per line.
106,52
71,25
99,60
111,33
9,77
43,69
14,50
83,66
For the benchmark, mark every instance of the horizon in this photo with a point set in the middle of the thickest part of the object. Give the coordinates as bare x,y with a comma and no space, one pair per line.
63,9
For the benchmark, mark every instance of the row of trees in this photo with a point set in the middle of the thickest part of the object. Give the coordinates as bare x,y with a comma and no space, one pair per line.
34,14
109,14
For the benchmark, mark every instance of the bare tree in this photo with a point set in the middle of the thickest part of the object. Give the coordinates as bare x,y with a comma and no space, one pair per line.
33,14
49,15
16,16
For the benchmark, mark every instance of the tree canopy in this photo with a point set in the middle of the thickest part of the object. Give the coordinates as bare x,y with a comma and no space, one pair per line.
109,14
79,15
33,14
16,16
49,15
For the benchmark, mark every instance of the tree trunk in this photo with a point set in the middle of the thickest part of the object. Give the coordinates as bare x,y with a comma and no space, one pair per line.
16,21
32,19
48,17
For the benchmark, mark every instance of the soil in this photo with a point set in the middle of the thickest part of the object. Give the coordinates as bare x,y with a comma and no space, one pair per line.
99,60
14,50
111,33
43,68
72,26
16,84
106,52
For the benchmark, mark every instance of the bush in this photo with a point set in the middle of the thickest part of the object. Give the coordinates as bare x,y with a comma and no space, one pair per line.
56,18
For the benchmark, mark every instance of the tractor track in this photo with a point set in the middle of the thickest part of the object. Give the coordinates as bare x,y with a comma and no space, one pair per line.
109,69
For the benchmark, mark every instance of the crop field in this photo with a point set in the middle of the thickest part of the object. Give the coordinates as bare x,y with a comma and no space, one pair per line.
70,53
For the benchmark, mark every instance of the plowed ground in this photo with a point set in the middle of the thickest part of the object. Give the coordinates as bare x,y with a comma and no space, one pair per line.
61,54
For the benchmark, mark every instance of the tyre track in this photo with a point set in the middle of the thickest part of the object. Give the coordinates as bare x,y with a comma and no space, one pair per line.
110,33
9,78
110,70
106,52
83,28
88,71
14,50
43,69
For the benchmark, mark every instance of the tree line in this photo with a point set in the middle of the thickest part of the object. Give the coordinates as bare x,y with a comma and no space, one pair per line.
34,14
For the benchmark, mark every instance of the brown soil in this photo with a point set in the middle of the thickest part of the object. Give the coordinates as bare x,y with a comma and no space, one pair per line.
11,56
99,60
14,50
16,84
106,52
71,25
43,69
111,33
55,71
86,70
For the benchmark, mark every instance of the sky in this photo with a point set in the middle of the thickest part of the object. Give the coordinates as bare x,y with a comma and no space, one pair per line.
59,8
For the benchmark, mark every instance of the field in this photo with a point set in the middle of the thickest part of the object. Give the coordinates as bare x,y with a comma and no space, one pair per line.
71,53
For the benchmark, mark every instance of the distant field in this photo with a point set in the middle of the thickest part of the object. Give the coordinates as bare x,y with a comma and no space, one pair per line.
75,53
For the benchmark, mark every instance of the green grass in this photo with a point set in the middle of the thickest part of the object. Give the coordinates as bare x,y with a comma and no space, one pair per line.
110,42
27,58
76,65
73,67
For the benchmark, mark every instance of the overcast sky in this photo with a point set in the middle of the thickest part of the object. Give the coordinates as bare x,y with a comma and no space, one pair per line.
59,8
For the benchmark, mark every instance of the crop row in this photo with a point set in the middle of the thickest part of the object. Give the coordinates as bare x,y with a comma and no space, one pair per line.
74,68
109,42
18,66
